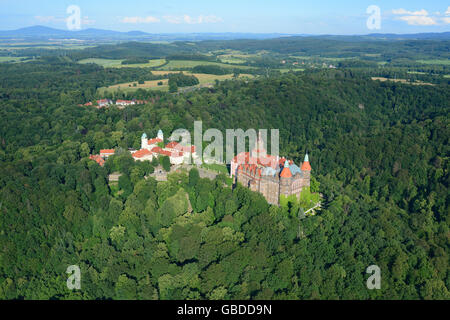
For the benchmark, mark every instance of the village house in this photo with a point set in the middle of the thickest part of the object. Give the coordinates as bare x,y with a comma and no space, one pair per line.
106,153
97,158
125,102
102,103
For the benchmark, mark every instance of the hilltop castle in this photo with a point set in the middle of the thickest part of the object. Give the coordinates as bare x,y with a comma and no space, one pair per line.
269,175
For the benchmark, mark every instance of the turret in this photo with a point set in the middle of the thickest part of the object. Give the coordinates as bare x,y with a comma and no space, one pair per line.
306,168
160,135
285,179
144,141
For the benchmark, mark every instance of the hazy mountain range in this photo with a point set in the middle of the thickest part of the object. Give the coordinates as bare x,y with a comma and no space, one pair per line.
45,33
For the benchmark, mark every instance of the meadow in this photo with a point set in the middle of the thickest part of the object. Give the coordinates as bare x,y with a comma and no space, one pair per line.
203,78
405,81
110,63
435,61
188,64
11,59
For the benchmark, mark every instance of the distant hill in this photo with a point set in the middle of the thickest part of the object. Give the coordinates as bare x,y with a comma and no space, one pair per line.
45,33
415,36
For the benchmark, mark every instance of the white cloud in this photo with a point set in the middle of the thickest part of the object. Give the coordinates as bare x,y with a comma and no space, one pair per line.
134,20
447,13
87,21
47,19
402,11
192,20
173,19
446,20
419,20
52,19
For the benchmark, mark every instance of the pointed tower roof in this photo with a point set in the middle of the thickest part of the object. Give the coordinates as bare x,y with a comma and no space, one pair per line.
144,136
286,173
306,166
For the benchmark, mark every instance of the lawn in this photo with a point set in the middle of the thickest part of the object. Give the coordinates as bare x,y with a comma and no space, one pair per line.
216,167
308,199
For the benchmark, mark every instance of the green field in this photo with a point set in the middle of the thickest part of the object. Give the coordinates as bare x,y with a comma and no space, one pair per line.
107,63
25,45
284,70
151,64
10,59
187,64
435,61
204,79
110,63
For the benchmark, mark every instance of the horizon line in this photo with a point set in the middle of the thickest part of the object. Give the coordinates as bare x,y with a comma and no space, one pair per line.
228,32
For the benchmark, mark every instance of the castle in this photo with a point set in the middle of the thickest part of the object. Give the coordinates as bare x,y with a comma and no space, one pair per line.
271,176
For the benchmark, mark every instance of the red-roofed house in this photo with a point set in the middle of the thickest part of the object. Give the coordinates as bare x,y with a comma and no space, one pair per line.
97,159
103,103
143,155
188,151
125,102
106,153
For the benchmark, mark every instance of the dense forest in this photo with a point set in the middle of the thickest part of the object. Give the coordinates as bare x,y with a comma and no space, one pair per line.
378,149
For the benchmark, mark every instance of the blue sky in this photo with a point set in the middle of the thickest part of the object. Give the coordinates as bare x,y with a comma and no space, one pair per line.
255,16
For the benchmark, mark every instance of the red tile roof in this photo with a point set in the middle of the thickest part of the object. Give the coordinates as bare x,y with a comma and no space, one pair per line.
306,166
154,141
286,173
97,159
141,153
172,145
175,145
161,151
107,151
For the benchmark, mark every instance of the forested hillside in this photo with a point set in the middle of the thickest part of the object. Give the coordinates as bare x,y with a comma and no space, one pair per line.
378,149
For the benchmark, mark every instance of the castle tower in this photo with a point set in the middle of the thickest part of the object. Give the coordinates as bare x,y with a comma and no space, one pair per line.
285,180
306,168
160,135
144,141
